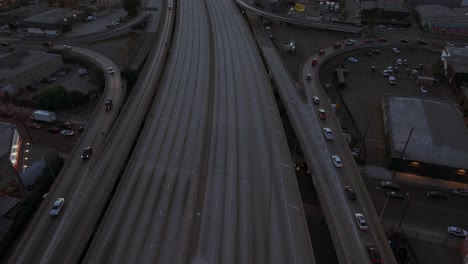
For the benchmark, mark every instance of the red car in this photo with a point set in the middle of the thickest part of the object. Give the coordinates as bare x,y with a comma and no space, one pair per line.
314,62
368,41
382,40
337,45
321,52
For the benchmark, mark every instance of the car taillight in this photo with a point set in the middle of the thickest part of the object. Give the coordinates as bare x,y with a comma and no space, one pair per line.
374,261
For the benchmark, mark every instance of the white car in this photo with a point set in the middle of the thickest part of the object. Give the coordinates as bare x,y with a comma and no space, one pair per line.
57,206
399,62
361,221
448,44
385,73
337,161
415,72
316,100
67,132
390,69
395,50
456,231
110,70
352,59
350,42
423,89
66,47
328,133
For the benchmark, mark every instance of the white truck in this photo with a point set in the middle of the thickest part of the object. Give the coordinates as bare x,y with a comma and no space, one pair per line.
44,116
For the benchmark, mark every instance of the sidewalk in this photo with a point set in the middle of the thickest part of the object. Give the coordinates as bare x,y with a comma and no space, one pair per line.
385,174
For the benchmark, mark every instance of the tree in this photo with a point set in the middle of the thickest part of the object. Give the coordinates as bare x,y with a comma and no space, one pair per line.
58,98
438,69
131,6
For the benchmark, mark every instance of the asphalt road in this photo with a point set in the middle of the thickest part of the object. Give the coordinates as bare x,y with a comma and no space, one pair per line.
210,179
423,212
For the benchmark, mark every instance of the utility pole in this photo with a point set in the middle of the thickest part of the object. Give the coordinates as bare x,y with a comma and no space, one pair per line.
385,205
406,209
363,141
402,153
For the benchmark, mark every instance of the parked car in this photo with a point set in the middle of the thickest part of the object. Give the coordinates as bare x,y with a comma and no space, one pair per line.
67,132
87,152
395,50
337,161
328,133
385,73
361,221
390,186
421,42
350,42
372,68
57,207
419,67
435,194
405,62
350,192
5,44
448,44
316,100
456,231
382,40
374,253
66,47
376,51
414,72
352,59
396,195
47,44
390,69
399,61
322,115
66,125
404,41
35,126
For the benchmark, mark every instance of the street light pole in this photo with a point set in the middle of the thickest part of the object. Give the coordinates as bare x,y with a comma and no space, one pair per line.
385,205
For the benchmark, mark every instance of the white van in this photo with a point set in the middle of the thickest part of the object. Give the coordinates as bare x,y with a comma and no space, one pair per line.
392,80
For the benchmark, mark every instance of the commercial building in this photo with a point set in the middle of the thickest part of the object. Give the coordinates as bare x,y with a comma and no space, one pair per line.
426,137
386,12
441,19
20,69
54,19
10,144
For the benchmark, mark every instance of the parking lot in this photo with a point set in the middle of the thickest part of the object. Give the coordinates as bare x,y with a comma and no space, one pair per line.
365,89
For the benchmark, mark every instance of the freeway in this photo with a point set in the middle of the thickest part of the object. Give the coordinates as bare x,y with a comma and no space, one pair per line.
210,179
328,180
87,185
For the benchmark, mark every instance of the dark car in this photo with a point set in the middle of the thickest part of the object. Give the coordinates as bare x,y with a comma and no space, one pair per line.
66,125
5,44
376,52
47,44
337,45
53,130
396,195
108,104
435,194
374,253
35,126
390,186
404,41
87,152
350,192
421,42
382,40
419,67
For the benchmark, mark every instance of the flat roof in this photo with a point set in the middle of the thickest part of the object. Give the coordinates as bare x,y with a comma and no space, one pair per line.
53,16
457,52
439,136
458,65
6,136
14,63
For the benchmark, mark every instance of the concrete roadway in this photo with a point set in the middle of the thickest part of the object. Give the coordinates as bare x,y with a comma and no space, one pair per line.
87,185
210,179
329,181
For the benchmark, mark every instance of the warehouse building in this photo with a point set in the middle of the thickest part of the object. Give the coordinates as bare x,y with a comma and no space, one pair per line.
54,19
426,137
20,69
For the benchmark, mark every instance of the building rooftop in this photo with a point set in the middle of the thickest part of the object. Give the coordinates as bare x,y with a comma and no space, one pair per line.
6,137
458,65
14,63
439,12
457,52
439,136
53,16
30,10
